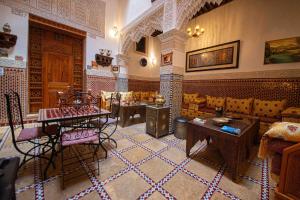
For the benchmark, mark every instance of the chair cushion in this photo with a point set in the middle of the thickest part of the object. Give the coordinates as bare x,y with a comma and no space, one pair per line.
291,112
126,96
278,145
136,95
287,131
243,106
268,108
213,102
79,136
36,132
144,96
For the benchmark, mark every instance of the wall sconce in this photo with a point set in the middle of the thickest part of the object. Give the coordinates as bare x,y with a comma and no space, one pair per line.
152,60
114,32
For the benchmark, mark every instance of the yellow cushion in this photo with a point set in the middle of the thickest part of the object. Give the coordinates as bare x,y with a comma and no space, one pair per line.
184,112
144,95
126,96
285,130
106,95
199,100
152,94
136,95
268,108
213,102
193,106
243,106
291,112
189,98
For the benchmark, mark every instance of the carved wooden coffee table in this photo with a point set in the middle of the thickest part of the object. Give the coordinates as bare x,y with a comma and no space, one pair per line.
235,149
127,112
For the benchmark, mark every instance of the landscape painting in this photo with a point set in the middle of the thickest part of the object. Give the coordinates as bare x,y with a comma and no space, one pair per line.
282,51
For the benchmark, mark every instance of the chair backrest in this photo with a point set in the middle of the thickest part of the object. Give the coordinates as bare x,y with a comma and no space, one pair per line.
14,112
115,103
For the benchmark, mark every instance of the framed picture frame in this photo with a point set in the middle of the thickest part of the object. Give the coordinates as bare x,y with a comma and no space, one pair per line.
141,46
282,51
115,68
222,56
167,59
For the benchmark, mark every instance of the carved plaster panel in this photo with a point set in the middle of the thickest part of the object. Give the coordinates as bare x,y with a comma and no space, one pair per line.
87,15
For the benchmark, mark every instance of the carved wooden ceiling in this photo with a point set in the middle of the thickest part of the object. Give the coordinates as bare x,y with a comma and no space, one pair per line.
209,7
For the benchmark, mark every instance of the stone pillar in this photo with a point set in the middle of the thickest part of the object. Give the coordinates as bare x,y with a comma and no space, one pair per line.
171,75
122,76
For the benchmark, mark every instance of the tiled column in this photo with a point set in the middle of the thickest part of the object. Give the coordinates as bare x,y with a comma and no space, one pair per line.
171,75
122,76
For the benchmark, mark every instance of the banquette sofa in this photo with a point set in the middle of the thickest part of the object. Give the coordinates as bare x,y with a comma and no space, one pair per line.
140,96
194,105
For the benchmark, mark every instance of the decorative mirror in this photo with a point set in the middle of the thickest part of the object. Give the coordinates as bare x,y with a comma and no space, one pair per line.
143,62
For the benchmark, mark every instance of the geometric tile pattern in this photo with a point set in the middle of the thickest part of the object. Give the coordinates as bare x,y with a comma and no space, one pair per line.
267,89
122,85
127,173
171,89
98,83
142,85
13,79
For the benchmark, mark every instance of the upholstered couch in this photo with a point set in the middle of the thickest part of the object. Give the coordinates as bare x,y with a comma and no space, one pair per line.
142,96
194,105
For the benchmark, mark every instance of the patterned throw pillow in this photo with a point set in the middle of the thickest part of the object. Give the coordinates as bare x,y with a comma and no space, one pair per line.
137,95
243,106
268,108
144,96
152,94
213,102
126,96
189,98
106,95
291,112
285,130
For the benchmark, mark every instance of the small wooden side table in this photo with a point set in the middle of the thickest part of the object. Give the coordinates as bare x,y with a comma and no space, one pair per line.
157,120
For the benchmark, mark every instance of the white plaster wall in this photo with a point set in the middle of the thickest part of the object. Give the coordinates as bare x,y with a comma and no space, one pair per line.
131,9
253,22
19,26
151,70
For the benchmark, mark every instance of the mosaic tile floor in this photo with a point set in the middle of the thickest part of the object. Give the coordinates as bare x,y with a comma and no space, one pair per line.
142,167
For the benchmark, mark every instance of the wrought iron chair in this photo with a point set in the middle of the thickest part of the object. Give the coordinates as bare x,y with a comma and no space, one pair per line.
30,135
109,126
80,109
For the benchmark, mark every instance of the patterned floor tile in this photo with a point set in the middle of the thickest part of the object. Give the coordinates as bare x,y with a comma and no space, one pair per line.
28,194
183,186
155,145
135,186
202,169
237,189
174,155
91,196
141,137
53,189
156,169
136,154
219,196
156,196
124,143
110,167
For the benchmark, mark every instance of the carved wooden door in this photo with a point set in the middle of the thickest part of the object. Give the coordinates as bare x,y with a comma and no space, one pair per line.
57,66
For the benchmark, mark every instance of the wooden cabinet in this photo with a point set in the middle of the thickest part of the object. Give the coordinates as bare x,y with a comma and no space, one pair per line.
157,120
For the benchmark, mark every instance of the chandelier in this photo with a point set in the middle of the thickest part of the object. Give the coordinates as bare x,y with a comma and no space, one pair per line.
196,31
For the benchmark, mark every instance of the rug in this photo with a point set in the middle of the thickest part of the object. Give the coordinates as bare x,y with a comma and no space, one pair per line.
142,167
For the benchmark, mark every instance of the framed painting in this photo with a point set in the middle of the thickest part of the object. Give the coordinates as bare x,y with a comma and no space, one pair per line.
223,56
166,59
282,51
141,46
115,68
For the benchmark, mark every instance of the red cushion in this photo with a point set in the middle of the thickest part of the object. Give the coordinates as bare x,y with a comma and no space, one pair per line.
278,145
79,136
36,132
